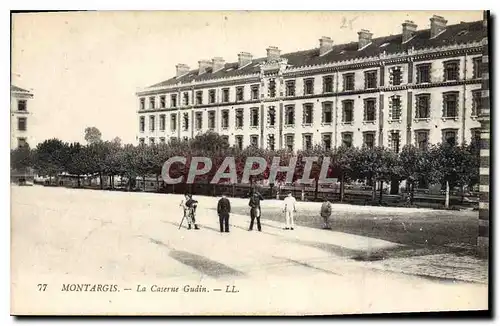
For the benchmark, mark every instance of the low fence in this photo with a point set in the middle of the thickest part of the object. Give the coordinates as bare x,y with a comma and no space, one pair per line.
357,197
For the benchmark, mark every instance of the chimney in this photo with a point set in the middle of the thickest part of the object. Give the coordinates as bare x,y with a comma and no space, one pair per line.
364,38
325,45
273,53
409,29
438,25
217,64
244,58
203,66
181,69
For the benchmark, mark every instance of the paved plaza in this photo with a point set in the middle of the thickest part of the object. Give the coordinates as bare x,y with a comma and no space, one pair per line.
66,236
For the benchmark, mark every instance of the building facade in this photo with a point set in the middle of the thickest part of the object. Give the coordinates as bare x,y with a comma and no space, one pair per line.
19,117
418,87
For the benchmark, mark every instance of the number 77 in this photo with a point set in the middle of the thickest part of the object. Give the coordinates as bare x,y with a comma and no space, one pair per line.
42,287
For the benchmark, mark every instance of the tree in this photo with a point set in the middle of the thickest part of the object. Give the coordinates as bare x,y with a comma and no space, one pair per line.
343,159
113,160
209,141
130,164
77,163
96,158
51,157
145,163
456,166
92,135
374,164
117,141
21,159
415,164
321,153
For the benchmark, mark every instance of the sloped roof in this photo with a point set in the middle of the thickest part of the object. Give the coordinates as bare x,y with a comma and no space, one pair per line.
14,88
454,34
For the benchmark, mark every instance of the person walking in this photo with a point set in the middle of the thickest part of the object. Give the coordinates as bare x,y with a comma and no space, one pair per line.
289,209
255,210
223,210
326,212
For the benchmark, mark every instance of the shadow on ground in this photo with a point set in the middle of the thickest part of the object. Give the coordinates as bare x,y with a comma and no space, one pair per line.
421,233
201,263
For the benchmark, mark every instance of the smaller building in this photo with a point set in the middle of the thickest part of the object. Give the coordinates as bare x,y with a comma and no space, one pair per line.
19,115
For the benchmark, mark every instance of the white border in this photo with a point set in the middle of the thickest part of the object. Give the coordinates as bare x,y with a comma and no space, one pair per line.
6,6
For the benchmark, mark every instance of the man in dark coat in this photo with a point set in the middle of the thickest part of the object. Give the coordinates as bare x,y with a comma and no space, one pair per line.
223,209
254,204
192,204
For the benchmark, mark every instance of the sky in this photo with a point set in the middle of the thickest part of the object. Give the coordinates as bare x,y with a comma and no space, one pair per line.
84,68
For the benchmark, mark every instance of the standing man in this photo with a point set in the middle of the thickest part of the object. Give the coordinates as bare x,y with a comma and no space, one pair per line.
185,210
255,211
223,209
326,212
289,209
191,204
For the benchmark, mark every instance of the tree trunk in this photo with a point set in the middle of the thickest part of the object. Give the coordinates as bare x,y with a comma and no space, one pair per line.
374,189
78,176
342,187
113,181
463,195
100,180
316,189
447,198
381,191
412,192
143,183
303,194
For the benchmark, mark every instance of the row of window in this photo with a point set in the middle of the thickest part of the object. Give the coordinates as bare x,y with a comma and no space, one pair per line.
198,100
423,75
421,139
422,111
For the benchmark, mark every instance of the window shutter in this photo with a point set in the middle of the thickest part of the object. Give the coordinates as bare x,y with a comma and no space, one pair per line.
390,107
417,107
365,110
444,105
